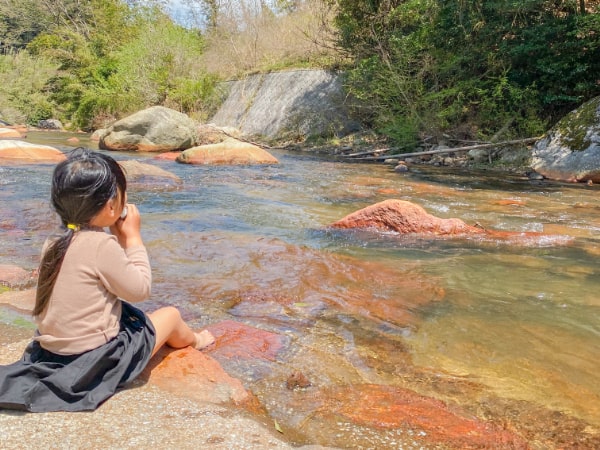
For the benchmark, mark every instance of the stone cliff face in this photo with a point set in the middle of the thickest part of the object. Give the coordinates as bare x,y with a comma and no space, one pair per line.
295,104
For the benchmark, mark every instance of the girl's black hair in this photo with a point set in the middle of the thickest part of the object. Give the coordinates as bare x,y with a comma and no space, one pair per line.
81,186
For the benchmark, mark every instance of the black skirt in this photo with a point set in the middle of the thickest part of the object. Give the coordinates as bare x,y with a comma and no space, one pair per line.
43,381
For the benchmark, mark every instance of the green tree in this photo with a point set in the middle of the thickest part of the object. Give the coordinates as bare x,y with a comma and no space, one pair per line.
450,65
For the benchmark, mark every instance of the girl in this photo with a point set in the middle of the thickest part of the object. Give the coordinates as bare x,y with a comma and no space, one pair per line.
88,341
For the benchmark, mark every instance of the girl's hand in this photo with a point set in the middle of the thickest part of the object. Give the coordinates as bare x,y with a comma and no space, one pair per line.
127,230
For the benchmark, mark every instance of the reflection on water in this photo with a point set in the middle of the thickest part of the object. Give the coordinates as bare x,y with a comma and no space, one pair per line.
489,322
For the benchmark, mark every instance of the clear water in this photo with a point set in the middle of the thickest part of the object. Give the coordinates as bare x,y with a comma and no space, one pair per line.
506,323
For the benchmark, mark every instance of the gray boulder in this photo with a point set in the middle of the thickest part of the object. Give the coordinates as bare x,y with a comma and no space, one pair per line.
295,104
570,151
50,124
155,129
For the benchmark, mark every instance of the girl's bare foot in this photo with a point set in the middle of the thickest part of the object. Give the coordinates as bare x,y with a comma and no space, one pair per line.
203,339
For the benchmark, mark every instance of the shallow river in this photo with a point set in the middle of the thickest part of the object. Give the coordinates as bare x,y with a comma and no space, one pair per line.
505,333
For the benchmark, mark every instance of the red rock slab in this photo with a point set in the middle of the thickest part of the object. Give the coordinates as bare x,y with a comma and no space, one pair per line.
236,340
404,217
229,152
24,152
388,407
190,373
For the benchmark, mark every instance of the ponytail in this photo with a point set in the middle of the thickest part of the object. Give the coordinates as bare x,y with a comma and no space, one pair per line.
49,269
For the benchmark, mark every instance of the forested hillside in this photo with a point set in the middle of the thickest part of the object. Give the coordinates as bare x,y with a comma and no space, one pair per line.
419,68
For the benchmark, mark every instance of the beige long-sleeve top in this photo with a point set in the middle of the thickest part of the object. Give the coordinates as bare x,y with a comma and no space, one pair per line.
85,307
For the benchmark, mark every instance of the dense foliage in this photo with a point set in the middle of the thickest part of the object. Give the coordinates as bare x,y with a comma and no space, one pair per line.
425,67
98,60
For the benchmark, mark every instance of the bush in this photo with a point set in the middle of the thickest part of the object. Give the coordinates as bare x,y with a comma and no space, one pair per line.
23,94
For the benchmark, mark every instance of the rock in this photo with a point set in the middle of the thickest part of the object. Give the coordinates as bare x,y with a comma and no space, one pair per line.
98,134
297,380
147,173
155,129
50,124
212,134
407,218
26,153
287,105
404,217
9,133
390,407
570,151
479,155
168,156
229,152
236,340
190,373
401,168
183,400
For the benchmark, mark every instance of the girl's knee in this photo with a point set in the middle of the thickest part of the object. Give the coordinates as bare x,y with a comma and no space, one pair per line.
171,312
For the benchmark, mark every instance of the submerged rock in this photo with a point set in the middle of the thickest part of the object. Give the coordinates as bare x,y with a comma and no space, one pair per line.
414,417
142,173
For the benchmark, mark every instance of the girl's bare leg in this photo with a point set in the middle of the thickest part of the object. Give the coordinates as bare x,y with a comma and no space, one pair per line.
173,331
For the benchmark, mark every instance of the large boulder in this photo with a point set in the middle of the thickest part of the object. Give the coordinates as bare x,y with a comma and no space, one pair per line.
404,217
20,152
570,151
229,152
155,129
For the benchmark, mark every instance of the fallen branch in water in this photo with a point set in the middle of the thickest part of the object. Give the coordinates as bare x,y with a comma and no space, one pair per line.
448,150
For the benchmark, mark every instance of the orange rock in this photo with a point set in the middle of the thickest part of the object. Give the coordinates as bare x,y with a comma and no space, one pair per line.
407,218
170,156
7,133
136,170
230,151
24,152
236,340
404,217
385,407
510,201
190,373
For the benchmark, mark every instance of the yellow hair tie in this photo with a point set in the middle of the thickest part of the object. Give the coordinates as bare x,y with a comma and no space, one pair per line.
73,227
